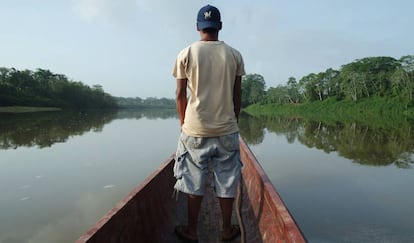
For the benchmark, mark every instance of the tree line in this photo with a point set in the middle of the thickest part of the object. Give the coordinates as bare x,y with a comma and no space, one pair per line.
363,78
150,102
43,88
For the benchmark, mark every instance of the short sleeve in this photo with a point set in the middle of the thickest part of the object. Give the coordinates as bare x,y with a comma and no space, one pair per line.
240,63
180,65
240,67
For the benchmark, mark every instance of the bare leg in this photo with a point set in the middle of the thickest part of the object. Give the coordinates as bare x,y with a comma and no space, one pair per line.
226,205
194,205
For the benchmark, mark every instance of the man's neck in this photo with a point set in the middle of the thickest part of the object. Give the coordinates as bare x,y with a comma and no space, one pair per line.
208,36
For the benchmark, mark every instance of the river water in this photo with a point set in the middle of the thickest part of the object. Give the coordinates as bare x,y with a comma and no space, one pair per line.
61,171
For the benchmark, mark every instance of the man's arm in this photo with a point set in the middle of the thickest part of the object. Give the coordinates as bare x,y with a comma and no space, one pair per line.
181,98
237,96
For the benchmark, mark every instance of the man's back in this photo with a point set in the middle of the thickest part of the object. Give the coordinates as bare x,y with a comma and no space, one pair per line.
211,68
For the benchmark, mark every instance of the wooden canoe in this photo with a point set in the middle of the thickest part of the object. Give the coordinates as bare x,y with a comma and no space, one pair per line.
150,212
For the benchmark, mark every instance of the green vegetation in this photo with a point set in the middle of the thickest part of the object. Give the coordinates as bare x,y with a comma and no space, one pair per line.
41,90
368,88
151,102
253,89
43,129
379,144
47,128
375,110
24,109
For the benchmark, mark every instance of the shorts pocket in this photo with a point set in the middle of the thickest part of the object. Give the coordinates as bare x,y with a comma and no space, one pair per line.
179,168
193,142
230,142
180,155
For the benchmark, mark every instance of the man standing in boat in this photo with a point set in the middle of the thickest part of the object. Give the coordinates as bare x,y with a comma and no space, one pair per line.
211,70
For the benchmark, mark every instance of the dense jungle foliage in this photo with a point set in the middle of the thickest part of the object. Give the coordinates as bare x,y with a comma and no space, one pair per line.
373,84
42,88
387,83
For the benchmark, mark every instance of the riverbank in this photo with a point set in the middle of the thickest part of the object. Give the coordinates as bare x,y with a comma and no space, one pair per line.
24,109
372,110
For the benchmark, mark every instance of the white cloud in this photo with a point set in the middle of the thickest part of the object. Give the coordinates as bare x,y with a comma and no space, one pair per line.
107,11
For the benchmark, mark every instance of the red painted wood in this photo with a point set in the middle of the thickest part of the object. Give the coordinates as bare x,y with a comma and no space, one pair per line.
149,213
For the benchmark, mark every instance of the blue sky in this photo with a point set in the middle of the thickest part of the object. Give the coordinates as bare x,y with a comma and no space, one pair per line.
129,46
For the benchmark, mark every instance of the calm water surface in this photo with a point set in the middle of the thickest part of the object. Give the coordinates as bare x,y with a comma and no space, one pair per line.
60,172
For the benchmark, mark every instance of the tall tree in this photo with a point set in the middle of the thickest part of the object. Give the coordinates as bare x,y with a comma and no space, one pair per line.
308,87
368,76
278,95
253,89
293,90
331,82
407,64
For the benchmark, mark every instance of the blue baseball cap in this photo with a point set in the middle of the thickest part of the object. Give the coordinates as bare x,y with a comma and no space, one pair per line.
209,18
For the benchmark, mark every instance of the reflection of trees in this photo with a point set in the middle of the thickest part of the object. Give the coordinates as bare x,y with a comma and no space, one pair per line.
404,161
289,126
154,113
43,129
251,129
366,145
317,135
377,146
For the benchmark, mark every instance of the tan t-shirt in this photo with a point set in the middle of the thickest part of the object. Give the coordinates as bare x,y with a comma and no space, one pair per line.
211,68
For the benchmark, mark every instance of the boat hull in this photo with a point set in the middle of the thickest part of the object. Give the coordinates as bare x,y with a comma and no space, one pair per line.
264,215
150,212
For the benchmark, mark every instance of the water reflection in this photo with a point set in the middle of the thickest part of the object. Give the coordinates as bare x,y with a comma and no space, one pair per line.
147,113
61,171
363,144
54,194
43,129
251,129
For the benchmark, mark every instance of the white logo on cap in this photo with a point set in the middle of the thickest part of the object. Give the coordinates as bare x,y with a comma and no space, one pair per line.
207,15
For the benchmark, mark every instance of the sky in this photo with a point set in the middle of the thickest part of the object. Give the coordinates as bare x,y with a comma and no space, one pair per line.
129,46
